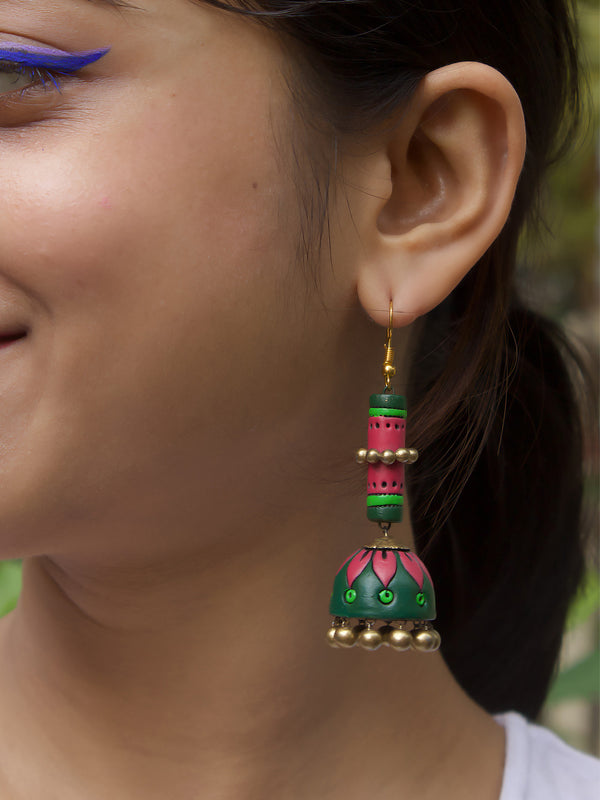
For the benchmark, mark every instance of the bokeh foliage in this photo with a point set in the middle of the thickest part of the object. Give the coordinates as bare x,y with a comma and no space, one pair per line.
10,585
559,263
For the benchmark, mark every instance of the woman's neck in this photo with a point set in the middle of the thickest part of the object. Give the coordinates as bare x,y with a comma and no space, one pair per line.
212,679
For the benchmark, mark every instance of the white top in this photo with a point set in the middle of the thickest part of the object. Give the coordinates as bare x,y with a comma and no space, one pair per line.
540,766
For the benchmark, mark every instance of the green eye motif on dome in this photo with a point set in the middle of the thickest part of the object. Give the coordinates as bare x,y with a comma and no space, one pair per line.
383,583
386,596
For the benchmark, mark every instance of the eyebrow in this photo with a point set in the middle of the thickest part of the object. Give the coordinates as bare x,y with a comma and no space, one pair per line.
117,4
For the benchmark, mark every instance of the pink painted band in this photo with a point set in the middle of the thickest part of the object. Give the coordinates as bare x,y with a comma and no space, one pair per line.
386,433
380,474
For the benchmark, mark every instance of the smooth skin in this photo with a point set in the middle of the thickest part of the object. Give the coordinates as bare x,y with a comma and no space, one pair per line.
177,428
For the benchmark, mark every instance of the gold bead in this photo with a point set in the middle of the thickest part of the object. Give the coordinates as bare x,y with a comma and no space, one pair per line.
398,639
389,369
361,455
437,637
401,454
385,632
344,636
425,641
359,628
369,639
372,456
331,637
412,455
388,457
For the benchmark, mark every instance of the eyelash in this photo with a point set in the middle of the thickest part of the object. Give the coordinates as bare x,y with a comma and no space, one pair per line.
44,66
39,76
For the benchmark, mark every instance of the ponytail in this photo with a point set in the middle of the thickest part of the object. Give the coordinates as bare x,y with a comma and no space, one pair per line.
509,556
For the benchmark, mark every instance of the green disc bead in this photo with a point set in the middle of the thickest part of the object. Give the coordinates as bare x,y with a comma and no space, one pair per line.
395,401
386,412
384,513
385,500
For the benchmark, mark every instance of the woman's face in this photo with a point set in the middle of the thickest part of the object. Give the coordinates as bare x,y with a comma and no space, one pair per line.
147,243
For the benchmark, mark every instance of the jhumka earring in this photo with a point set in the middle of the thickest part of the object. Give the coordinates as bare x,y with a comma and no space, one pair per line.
383,582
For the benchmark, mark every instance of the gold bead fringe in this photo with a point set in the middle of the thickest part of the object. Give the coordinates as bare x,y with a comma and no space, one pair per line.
407,635
407,455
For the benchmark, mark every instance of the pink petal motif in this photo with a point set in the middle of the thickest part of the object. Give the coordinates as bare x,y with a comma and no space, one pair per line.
385,565
347,560
358,563
413,566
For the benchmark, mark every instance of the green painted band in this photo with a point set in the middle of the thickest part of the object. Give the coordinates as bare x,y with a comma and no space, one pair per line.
387,401
384,513
387,412
385,500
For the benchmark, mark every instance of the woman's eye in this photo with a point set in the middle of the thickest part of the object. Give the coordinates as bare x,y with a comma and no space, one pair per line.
11,78
14,77
24,71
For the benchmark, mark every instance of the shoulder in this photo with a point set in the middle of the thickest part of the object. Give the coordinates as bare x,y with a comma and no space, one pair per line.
540,766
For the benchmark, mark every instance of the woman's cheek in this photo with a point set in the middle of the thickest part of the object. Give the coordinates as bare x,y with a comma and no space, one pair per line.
74,236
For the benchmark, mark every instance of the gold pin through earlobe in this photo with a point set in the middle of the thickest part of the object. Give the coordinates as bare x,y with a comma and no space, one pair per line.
389,370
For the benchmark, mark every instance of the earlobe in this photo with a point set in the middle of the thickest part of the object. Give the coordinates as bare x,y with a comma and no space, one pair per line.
453,166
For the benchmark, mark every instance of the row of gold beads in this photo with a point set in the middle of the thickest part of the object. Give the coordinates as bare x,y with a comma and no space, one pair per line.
407,455
424,639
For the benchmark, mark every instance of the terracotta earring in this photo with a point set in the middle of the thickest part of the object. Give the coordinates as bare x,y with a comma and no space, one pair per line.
383,582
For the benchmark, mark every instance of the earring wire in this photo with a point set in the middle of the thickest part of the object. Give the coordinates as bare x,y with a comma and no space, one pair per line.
389,370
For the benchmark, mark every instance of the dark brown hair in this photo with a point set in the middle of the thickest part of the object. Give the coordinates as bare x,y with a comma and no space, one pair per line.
495,404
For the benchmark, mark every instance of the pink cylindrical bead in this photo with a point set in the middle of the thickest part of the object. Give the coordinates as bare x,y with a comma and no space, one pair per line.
392,476
386,433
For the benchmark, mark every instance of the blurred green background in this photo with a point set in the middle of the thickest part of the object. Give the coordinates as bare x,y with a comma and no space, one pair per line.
559,273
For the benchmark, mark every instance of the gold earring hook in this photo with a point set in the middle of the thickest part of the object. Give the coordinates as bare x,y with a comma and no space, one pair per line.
389,370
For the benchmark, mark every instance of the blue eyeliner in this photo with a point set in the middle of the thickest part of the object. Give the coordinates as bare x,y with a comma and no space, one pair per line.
48,57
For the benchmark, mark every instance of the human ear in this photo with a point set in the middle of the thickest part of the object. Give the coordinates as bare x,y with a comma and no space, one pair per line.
429,200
